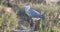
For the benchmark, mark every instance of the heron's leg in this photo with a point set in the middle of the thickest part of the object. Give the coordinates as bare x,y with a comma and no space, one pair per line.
35,29
37,23
34,25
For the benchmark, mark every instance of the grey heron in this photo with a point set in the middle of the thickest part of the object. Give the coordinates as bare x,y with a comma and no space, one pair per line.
33,14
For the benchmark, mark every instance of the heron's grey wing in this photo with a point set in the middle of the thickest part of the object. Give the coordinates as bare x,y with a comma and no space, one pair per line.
34,14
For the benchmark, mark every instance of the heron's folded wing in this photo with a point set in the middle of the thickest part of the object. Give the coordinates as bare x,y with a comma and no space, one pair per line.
34,13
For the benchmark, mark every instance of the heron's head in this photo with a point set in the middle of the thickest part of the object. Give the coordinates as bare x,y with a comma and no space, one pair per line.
27,6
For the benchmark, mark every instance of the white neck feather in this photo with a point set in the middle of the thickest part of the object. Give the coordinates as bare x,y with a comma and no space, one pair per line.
27,8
